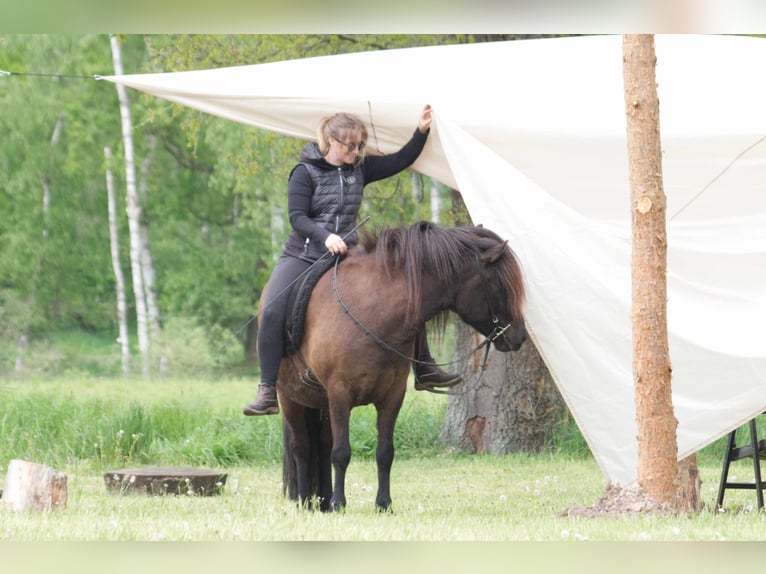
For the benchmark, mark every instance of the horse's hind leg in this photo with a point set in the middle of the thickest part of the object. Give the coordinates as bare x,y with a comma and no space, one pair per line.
300,449
320,469
324,452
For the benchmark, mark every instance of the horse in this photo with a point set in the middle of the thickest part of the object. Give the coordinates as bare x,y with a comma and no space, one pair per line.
360,327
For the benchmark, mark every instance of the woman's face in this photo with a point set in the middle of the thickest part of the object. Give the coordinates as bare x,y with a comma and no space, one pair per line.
345,148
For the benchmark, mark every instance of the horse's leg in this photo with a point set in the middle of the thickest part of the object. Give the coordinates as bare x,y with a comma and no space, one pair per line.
300,447
340,412
325,463
384,454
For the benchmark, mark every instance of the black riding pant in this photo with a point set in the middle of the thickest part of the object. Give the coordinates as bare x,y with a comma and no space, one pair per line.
272,321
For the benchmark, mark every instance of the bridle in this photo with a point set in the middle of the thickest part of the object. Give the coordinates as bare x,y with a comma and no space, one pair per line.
498,330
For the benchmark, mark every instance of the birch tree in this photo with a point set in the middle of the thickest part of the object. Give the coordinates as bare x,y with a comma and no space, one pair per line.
133,208
147,261
436,201
114,243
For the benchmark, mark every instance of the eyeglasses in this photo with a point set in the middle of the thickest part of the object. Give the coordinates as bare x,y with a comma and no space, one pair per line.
350,146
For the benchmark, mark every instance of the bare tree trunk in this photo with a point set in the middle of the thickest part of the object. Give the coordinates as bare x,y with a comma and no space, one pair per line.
416,181
21,347
513,406
114,242
657,446
46,181
154,318
436,202
147,261
688,485
134,213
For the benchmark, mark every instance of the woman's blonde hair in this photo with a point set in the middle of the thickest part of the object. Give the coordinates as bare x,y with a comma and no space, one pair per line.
339,126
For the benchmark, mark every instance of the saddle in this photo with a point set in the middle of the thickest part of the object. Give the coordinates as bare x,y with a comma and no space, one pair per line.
298,302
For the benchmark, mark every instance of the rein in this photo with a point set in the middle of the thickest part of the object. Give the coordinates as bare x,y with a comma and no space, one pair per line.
497,331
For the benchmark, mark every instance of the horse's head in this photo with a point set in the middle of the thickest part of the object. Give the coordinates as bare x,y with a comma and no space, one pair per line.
491,295
469,270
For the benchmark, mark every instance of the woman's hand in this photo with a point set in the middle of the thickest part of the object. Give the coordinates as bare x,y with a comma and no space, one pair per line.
335,244
425,119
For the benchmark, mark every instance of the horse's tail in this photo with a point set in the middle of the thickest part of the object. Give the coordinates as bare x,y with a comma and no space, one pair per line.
320,446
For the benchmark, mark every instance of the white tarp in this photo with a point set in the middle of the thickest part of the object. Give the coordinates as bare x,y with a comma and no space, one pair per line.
532,133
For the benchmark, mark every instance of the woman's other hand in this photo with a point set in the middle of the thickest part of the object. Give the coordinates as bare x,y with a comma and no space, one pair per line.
335,244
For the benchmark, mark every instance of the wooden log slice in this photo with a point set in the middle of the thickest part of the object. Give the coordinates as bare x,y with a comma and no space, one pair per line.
165,480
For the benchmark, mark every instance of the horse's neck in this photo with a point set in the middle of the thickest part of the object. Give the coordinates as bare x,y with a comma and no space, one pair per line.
436,296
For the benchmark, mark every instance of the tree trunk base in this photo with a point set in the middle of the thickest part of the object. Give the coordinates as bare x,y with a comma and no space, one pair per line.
32,486
165,480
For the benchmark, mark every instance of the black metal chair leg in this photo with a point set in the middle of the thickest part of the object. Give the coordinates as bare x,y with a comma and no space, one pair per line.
725,471
753,449
756,464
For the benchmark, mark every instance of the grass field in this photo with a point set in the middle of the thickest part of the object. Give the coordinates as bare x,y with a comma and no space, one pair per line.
85,427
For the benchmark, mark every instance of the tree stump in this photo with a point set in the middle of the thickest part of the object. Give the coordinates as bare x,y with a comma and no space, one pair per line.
165,480
29,485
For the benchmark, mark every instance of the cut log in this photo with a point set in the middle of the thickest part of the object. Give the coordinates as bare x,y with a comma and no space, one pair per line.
165,480
29,485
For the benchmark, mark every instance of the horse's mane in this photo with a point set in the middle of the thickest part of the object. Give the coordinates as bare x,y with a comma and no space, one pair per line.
427,250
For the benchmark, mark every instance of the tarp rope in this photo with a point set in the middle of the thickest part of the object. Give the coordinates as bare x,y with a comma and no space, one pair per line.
57,76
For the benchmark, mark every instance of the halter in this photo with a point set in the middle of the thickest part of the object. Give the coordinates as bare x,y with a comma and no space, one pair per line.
497,331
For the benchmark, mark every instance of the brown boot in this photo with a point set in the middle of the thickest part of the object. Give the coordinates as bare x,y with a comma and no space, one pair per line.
265,402
428,375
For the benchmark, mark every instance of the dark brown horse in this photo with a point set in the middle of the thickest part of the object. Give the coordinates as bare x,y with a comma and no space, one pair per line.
361,323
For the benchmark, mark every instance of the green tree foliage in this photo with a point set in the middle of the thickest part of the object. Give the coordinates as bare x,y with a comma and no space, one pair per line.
54,261
215,201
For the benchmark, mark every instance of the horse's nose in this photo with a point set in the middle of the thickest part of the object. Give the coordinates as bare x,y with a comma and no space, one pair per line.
518,337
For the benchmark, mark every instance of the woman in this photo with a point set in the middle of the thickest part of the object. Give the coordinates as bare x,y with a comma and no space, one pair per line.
323,198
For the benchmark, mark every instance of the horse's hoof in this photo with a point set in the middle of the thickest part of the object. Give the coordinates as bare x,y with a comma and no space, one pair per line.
384,508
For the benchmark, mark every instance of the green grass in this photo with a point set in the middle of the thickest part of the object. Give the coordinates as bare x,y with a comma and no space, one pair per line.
446,498
84,427
113,422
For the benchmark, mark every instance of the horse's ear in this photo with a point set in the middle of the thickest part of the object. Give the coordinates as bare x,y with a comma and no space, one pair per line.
492,254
